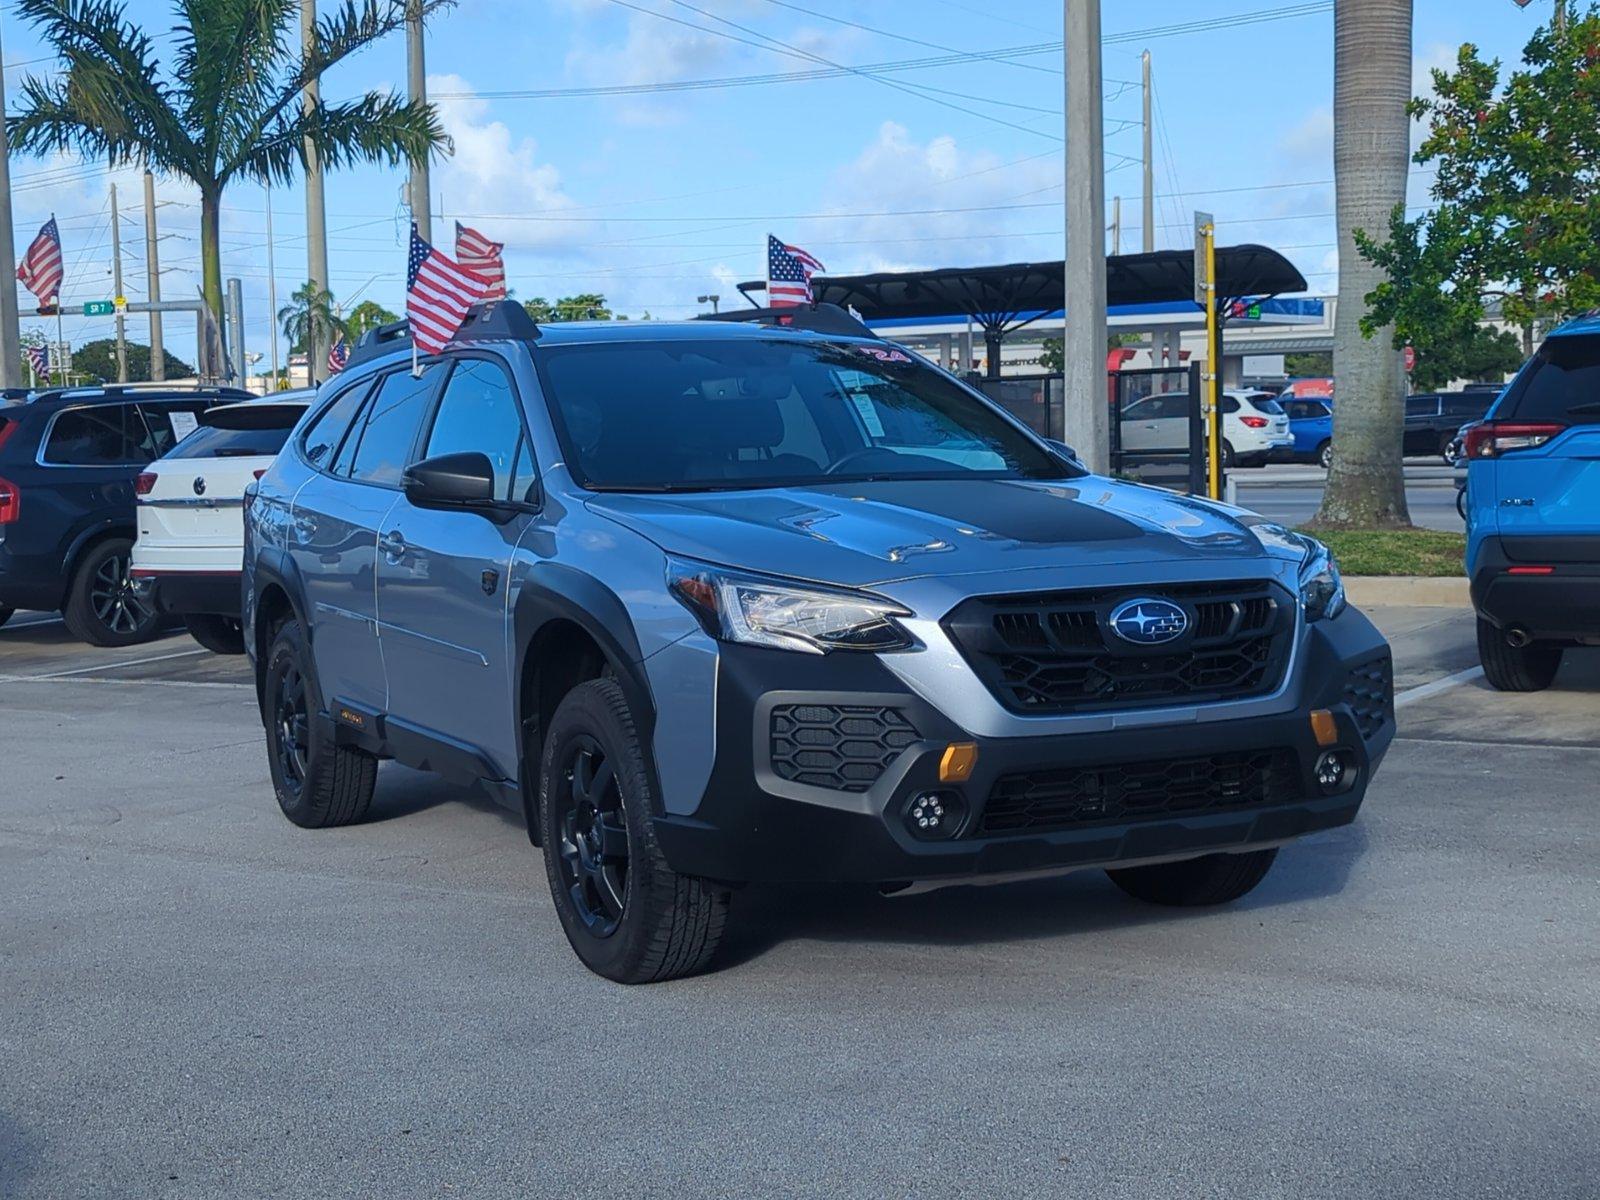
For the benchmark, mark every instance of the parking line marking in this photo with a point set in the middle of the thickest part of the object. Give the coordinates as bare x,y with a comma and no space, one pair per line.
116,666
1422,692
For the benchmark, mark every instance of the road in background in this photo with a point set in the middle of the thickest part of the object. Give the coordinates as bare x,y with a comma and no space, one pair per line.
1292,494
202,999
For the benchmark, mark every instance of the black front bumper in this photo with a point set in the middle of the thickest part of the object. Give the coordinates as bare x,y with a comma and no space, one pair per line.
753,825
1560,603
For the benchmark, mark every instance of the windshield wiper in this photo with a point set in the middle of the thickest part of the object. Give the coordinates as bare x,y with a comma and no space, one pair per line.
1591,409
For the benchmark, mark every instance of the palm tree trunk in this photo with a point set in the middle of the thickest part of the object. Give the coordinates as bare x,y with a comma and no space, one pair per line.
1371,156
211,254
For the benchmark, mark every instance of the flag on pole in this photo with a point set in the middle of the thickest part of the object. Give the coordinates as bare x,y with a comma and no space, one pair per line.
39,359
478,254
338,355
438,294
789,272
41,270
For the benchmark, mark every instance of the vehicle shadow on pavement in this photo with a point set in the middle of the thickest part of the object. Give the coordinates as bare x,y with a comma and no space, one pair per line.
403,792
1082,903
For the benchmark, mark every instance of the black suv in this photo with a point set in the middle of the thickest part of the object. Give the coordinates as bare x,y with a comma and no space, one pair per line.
68,460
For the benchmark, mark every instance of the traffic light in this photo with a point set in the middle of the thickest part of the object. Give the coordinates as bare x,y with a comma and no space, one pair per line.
49,310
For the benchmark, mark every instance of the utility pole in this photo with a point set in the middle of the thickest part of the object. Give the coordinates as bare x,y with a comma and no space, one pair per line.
1086,421
116,289
10,331
272,292
1149,219
235,343
1116,224
316,213
417,89
152,266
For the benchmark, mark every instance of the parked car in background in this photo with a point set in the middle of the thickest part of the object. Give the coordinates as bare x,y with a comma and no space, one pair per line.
718,602
68,461
190,502
1434,418
1533,527
1311,427
1319,388
1254,426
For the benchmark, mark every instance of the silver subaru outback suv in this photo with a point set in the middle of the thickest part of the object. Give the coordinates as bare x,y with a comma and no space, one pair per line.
726,602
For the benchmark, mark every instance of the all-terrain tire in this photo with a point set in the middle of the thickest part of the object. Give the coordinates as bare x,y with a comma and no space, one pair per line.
318,782
101,608
669,924
1511,668
218,634
1194,882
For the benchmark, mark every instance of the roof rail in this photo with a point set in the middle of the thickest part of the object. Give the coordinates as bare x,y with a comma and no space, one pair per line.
813,318
494,320
97,391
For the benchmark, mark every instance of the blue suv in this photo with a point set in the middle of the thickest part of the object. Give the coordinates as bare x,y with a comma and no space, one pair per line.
1533,512
724,602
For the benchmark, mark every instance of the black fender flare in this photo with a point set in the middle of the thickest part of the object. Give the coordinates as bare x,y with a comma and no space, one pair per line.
273,567
549,592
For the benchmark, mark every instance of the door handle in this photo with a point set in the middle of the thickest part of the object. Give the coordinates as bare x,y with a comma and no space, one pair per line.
392,546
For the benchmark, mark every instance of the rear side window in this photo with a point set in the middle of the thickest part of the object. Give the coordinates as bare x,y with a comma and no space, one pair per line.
106,435
168,424
1266,404
328,428
393,418
207,442
1562,383
1422,406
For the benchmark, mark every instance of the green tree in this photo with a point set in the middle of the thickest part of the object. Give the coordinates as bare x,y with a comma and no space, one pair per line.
219,100
1515,196
1371,141
309,319
585,306
98,360
1477,353
1313,364
369,314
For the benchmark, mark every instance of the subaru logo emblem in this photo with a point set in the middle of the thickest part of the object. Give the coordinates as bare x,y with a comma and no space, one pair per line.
200,485
1147,622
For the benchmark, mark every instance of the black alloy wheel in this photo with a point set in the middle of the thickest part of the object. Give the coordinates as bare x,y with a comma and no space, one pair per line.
593,831
115,604
291,725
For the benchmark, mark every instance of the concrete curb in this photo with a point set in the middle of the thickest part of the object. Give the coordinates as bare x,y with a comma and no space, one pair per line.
1417,591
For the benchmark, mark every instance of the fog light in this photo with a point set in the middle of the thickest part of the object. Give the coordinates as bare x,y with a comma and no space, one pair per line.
1335,772
933,816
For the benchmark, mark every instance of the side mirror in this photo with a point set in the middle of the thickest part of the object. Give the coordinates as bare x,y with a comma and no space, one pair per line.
464,480
1062,448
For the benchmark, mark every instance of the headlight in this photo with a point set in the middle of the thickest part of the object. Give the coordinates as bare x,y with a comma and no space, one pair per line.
1321,586
786,616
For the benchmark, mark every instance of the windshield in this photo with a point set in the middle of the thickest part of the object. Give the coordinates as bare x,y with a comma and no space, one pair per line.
210,442
721,414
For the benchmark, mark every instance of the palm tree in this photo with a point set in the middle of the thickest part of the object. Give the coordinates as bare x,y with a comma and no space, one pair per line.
1371,156
309,319
229,104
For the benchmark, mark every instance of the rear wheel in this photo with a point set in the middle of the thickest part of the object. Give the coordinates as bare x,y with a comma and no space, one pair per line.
318,783
1214,879
1227,454
1509,668
628,915
5,614
102,607
1325,455
218,634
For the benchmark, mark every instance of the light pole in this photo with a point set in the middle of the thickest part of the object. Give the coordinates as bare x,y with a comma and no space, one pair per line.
1085,420
10,335
710,299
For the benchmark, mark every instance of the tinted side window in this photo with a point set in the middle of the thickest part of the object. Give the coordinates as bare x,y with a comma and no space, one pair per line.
1230,404
107,435
479,412
1562,383
393,419
327,430
207,442
1422,406
168,424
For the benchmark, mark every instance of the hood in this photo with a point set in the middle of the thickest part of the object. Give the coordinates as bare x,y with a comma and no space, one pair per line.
861,534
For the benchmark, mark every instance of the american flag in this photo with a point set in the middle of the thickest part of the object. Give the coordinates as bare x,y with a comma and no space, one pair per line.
438,294
477,253
338,355
789,272
39,359
41,270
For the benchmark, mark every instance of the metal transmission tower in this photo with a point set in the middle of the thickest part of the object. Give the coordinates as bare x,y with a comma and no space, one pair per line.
1086,419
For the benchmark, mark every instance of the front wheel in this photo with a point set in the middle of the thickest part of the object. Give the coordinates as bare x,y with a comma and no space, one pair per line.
218,634
102,608
1214,879
1509,668
628,915
1227,455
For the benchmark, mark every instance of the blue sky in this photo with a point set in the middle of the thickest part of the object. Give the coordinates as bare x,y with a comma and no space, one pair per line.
655,197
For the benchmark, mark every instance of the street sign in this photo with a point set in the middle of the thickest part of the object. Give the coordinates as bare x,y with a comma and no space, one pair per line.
1203,222
1408,357
98,308
120,304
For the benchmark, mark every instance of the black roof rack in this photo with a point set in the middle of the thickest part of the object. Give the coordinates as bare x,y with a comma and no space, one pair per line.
145,391
495,320
813,318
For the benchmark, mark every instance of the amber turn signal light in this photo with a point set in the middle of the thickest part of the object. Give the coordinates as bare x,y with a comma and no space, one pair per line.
957,762
1323,727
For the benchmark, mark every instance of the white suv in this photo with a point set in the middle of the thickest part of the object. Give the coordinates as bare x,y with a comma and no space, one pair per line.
1254,426
190,543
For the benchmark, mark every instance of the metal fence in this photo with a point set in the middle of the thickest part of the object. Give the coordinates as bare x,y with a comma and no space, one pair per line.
1158,431
1035,400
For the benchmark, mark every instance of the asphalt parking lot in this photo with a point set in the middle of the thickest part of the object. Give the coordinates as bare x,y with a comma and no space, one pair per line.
200,999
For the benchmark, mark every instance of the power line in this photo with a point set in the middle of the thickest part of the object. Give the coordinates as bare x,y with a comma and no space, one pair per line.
899,37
